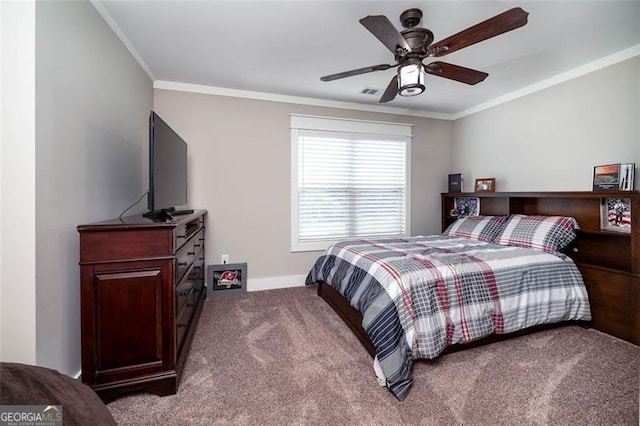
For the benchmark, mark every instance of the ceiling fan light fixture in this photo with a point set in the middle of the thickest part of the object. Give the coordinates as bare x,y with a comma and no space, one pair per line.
411,79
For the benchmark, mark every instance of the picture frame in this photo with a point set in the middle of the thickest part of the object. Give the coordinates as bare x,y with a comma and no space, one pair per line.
614,177
615,215
226,279
627,171
485,185
467,206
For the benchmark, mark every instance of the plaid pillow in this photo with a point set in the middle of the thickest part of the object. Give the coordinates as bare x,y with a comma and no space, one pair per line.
548,233
483,228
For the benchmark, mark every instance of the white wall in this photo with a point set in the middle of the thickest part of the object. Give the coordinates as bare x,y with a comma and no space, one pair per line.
86,162
18,183
239,170
552,139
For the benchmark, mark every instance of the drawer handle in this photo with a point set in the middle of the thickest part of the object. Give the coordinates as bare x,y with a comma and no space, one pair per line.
575,249
197,245
191,253
181,236
183,293
182,264
180,325
201,239
197,267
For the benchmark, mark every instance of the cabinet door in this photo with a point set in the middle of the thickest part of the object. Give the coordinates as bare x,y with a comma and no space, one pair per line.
610,298
128,317
635,309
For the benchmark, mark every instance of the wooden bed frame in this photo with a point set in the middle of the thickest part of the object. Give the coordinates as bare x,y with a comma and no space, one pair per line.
609,261
353,318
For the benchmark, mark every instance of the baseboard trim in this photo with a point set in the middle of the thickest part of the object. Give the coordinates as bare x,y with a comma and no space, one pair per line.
271,283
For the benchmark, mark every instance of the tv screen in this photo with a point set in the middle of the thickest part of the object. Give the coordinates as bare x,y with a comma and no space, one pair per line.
167,168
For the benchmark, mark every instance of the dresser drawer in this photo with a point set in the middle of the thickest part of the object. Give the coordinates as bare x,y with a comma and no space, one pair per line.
184,260
196,275
189,254
183,232
183,295
198,243
184,319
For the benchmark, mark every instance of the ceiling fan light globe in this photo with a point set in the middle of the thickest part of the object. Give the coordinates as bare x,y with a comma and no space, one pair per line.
411,79
411,90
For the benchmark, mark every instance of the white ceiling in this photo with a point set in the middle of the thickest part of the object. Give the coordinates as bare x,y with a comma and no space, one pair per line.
283,47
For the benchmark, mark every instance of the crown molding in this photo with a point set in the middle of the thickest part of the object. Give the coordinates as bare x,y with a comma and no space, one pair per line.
615,58
97,4
273,97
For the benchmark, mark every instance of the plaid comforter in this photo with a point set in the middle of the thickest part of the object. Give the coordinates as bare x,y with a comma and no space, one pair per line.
418,295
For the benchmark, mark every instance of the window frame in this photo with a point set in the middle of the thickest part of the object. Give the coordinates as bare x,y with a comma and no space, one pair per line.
343,125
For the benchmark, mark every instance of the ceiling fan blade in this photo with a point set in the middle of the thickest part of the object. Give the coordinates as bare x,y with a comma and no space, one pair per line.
358,71
455,72
383,29
391,91
499,24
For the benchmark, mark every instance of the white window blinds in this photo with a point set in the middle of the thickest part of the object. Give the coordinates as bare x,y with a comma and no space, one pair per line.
349,184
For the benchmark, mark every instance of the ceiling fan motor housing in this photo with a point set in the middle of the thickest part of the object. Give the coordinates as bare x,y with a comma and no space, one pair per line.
419,39
410,18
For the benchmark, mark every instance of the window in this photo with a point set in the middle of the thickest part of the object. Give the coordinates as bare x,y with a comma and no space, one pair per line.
350,179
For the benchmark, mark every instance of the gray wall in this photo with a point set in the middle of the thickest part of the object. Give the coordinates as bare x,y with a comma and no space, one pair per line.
92,106
239,153
552,139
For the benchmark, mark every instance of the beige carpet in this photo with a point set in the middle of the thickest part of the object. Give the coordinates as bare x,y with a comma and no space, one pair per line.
284,357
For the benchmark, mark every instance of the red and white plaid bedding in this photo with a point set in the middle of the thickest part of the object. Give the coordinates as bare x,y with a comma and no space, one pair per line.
420,294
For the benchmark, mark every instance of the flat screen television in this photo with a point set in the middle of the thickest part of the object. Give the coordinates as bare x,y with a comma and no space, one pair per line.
167,170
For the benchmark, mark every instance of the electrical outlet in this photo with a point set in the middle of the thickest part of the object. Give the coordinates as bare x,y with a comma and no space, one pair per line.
224,258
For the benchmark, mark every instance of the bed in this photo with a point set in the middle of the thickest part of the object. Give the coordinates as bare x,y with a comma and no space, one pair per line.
487,275
59,395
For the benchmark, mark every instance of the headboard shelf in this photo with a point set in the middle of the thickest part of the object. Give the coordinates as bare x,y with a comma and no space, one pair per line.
624,235
609,261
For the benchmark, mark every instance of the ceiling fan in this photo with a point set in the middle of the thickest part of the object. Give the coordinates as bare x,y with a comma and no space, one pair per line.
412,45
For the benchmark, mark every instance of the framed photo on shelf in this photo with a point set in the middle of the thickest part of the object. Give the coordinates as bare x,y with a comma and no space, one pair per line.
615,215
485,185
226,279
614,177
467,206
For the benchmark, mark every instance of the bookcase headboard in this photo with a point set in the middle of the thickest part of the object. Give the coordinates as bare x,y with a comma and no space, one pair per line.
609,261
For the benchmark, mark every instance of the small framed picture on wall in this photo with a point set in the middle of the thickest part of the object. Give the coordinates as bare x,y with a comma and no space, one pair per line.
485,185
226,279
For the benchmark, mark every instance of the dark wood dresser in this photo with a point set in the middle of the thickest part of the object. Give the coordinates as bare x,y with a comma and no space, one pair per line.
142,288
609,261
